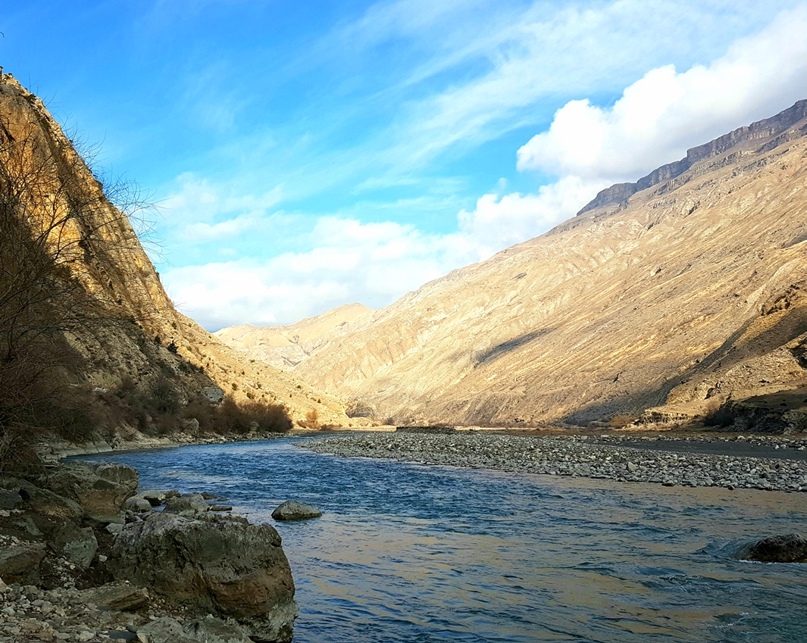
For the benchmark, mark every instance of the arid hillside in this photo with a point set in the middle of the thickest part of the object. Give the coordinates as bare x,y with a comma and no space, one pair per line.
82,309
661,299
287,346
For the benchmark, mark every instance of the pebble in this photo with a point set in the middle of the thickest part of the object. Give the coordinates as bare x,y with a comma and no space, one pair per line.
575,456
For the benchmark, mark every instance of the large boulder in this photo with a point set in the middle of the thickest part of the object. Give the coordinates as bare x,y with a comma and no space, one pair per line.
20,560
790,548
99,488
187,505
47,505
293,510
75,544
222,566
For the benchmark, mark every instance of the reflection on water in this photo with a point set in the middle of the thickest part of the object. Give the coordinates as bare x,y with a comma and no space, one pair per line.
413,553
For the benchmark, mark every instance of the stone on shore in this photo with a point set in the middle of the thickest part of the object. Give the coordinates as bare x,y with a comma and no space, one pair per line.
789,548
120,596
19,561
99,488
76,544
157,497
187,505
606,457
208,630
222,566
293,510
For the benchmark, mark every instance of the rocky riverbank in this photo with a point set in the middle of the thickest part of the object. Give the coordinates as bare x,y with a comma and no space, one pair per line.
84,558
582,456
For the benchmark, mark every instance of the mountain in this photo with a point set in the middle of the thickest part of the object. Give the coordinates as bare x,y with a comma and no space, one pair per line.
287,346
662,299
84,320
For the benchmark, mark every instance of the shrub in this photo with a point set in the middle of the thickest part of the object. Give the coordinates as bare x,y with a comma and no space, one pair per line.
722,415
311,420
231,418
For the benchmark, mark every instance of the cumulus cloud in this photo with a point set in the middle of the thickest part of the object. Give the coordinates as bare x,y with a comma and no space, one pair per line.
663,113
499,221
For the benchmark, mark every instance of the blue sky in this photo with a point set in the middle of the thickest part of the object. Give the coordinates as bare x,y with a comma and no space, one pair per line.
310,154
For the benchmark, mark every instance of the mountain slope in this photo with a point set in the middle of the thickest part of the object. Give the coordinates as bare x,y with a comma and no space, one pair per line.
667,286
98,297
286,346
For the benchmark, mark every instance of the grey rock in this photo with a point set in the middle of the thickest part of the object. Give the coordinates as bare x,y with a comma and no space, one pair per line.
114,528
293,510
222,566
137,504
76,544
19,562
207,630
9,498
99,488
189,504
213,393
790,548
157,496
119,596
54,508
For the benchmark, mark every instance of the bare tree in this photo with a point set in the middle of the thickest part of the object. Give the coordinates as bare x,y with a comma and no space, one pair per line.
60,238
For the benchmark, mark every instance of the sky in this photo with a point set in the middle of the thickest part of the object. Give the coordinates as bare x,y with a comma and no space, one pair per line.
310,153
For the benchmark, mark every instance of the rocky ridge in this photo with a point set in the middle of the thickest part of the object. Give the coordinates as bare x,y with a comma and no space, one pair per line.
286,346
689,297
774,131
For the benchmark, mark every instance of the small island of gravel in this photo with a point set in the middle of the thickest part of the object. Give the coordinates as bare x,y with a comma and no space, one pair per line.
620,458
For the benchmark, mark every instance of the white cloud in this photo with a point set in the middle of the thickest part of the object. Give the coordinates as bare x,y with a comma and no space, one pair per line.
662,114
499,221
586,147
349,261
195,199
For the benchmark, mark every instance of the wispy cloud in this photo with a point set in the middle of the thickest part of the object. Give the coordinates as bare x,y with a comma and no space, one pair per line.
356,185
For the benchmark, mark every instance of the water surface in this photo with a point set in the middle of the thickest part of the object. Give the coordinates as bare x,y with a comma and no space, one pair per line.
420,553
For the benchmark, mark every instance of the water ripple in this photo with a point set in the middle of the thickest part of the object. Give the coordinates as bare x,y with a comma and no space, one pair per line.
406,552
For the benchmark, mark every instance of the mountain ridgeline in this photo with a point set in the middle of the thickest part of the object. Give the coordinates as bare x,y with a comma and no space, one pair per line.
680,296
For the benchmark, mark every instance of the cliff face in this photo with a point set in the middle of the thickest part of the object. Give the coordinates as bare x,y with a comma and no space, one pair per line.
690,294
774,131
117,318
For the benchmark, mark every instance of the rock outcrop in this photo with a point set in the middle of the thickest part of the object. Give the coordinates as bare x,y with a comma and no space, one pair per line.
100,489
230,579
129,334
224,566
287,346
774,131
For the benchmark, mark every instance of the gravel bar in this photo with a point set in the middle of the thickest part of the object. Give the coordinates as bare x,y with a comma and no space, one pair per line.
577,456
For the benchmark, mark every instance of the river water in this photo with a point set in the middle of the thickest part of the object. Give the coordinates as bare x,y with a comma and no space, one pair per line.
418,553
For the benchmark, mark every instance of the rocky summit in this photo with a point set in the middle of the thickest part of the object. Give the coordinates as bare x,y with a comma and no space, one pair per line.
664,300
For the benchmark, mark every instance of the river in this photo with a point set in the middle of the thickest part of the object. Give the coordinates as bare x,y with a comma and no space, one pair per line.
405,552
